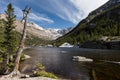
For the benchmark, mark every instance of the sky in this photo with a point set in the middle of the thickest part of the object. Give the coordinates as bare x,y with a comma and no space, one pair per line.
59,14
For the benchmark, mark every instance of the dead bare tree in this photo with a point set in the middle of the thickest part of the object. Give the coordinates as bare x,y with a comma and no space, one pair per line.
15,71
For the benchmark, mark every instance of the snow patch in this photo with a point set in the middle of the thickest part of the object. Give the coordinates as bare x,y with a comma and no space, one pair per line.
66,45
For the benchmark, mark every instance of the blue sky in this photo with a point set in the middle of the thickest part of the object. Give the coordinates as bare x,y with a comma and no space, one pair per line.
54,13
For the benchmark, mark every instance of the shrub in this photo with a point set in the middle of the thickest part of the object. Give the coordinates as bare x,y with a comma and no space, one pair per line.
22,57
46,74
40,71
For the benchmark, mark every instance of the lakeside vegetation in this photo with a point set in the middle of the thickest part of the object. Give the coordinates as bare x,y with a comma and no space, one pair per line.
40,71
10,43
10,39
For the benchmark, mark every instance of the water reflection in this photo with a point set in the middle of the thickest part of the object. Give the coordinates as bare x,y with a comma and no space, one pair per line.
102,70
59,61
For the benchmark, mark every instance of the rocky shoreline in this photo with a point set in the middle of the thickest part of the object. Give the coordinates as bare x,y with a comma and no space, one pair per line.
115,45
30,78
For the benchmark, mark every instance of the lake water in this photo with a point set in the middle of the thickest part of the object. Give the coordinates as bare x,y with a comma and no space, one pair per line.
59,60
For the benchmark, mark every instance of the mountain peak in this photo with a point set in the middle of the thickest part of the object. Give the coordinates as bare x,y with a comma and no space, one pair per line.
104,7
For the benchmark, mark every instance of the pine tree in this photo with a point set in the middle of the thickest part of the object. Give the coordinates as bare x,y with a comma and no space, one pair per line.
1,38
10,37
1,31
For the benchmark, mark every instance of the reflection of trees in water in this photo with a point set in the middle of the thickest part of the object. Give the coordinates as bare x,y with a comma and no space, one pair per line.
105,71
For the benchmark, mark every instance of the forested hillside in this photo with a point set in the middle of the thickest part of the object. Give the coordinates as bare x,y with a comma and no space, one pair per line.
105,24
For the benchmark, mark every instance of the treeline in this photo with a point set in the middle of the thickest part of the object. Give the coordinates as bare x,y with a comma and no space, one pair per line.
105,24
32,40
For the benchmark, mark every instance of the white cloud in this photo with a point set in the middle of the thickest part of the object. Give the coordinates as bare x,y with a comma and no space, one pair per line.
33,16
18,12
62,8
36,17
87,5
70,10
66,11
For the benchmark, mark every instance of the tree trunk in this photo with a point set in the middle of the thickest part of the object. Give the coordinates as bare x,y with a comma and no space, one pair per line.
7,62
20,49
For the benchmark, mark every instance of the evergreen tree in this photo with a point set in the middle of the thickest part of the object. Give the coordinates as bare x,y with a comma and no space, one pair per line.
2,49
10,37
1,31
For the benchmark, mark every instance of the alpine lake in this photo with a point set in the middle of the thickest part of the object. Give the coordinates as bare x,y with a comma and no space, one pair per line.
59,61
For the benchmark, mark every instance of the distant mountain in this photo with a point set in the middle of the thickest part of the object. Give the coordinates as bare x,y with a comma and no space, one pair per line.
104,21
65,31
38,31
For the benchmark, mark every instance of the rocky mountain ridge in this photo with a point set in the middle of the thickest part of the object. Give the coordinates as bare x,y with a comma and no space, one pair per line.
38,31
103,8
